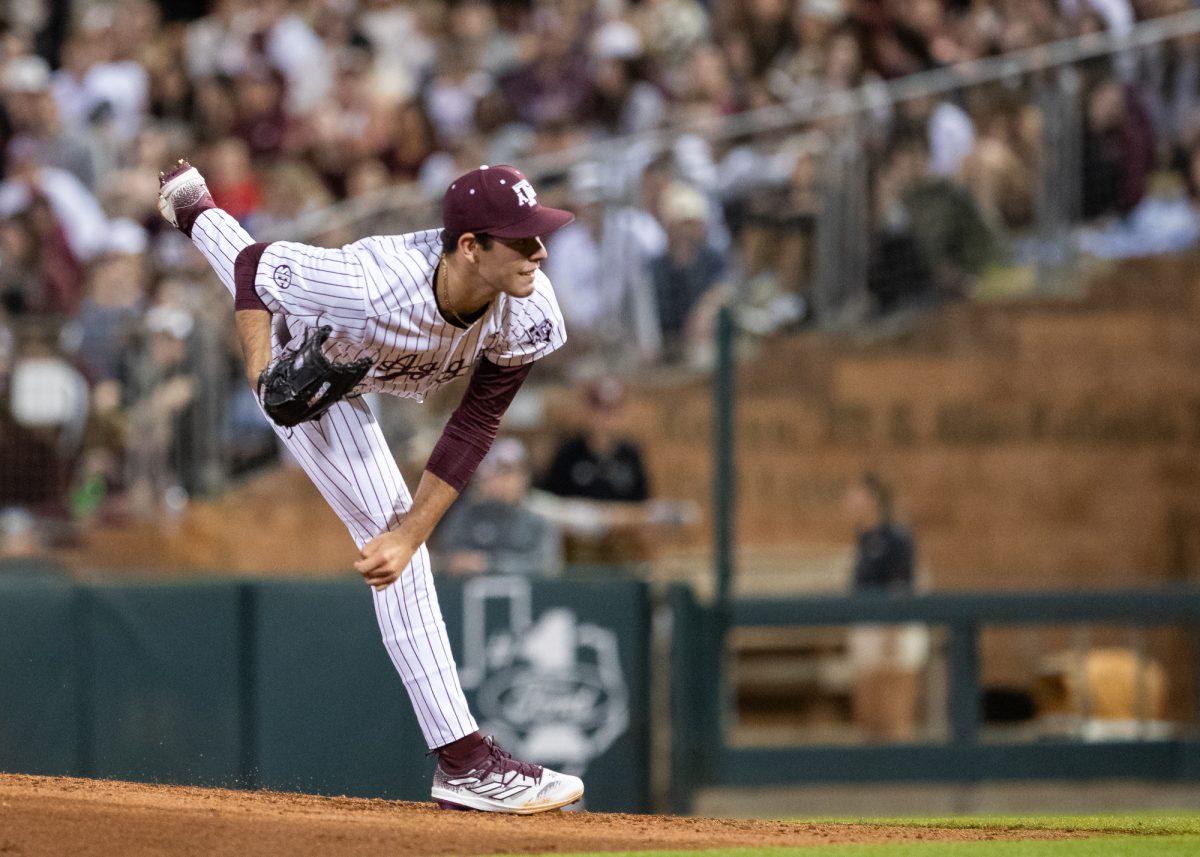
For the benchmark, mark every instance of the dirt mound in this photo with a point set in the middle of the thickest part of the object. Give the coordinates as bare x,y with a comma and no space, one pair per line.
53,815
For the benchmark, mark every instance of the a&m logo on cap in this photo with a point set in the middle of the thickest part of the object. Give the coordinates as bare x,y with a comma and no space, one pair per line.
525,193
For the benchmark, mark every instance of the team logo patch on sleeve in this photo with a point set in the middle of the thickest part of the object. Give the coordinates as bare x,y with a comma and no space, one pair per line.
539,334
282,276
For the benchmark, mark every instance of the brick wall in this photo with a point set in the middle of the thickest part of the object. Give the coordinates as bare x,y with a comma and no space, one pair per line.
1033,444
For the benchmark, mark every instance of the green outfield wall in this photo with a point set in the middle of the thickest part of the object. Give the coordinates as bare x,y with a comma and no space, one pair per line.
286,685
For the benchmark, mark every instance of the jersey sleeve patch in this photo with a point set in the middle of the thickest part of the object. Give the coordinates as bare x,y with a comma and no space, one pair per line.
531,327
314,285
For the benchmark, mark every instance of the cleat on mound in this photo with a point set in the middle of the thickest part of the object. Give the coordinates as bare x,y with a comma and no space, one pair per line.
502,784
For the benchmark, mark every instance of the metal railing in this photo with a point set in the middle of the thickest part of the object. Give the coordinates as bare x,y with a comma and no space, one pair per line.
411,200
701,693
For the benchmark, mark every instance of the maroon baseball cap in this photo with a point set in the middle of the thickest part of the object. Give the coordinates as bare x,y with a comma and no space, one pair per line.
500,201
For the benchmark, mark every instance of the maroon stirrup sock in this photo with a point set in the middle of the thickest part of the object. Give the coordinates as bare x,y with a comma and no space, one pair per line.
462,755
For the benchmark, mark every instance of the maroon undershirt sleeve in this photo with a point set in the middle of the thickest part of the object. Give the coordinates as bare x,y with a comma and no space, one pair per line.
244,268
473,425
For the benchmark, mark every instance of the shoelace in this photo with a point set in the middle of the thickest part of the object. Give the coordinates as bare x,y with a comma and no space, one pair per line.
501,762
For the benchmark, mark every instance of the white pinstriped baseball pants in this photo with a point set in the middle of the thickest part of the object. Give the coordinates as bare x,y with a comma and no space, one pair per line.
346,457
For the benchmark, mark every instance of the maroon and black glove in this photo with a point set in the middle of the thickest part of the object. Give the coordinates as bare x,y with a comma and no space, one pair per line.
303,383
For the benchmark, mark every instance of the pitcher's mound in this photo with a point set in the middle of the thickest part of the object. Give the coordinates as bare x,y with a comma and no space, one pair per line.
59,815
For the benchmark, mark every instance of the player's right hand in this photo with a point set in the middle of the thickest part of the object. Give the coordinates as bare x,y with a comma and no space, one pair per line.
385,557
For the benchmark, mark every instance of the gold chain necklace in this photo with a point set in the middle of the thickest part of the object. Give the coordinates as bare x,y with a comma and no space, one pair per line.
443,279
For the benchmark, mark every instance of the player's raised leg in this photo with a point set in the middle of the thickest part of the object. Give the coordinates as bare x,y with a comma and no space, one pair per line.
185,203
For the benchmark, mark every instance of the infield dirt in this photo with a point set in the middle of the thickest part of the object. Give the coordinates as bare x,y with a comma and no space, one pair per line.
58,815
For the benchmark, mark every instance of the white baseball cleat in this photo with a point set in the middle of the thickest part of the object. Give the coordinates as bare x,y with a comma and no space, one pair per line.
183,195
502,784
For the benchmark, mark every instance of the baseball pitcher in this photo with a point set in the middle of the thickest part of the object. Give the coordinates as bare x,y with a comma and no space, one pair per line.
399,314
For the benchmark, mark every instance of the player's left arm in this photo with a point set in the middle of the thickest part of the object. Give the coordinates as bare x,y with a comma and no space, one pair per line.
465,440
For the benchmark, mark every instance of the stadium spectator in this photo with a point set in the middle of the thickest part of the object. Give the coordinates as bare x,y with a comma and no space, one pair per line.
1166,220
233,181
829,60
106,90
623,98
20,286
41,424
600,463
37,131
290,189
41,273
601,472
110,314
1118,150
354,125
689,277
777,244
887,659
950,133
601,258
885,553
55,200
932,239
413,142
493,530
1172,89
259,119
159,391
999,171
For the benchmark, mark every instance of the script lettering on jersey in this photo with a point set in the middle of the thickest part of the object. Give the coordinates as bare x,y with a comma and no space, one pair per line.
406,366
453,369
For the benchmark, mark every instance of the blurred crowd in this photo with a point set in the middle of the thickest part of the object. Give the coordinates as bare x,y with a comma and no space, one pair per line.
118,367
582,500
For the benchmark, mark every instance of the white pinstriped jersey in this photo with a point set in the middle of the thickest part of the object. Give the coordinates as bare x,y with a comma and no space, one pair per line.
378,296
345,453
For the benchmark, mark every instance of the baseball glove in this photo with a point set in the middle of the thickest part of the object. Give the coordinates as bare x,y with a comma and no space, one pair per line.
303,383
